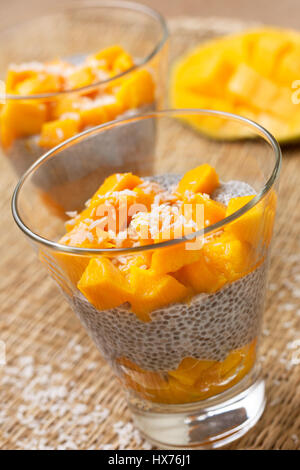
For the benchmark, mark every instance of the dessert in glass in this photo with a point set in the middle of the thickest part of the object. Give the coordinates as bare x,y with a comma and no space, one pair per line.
163,255
77,68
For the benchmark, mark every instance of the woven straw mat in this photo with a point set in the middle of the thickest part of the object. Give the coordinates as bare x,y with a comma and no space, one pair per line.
56,392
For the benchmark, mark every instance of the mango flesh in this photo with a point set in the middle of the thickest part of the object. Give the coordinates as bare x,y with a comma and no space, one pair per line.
158,277
21,118
202,179
193,380
152,291
55,122
256,226
251,74
224,259
55,132
103,284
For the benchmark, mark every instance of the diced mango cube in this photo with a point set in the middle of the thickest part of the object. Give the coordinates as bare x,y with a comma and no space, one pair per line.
21,119
247,227
137,90
55,132
152,291
82,77
202,179
122,63
103,284
173,258
199,206
201,276
72,265
117,182
47,83
93,116
15,77
228,256
222,260
109,55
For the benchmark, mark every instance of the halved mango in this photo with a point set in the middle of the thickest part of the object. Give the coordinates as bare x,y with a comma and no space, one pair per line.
250,73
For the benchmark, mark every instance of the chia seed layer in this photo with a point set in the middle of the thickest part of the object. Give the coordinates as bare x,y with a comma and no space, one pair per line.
207,328
233,188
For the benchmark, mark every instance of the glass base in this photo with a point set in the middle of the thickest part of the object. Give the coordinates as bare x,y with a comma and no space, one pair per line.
208,424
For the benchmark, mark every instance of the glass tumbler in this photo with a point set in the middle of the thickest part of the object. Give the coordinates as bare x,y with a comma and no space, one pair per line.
37,112
188,367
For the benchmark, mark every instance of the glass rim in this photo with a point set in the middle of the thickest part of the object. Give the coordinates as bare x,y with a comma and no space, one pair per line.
187,238
113,4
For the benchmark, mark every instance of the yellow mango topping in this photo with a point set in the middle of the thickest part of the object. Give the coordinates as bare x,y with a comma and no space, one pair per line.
108,55
202,179
248,226
104,285
173,258
55,132
222,260
213,211
161,276
117,182
93,106
138,90
81,77
256,226
48,83
152,291
21,119
201,276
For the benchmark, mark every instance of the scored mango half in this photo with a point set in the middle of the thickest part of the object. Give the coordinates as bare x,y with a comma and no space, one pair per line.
253,74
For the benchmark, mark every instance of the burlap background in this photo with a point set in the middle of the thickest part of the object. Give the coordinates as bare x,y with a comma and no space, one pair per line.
55,390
